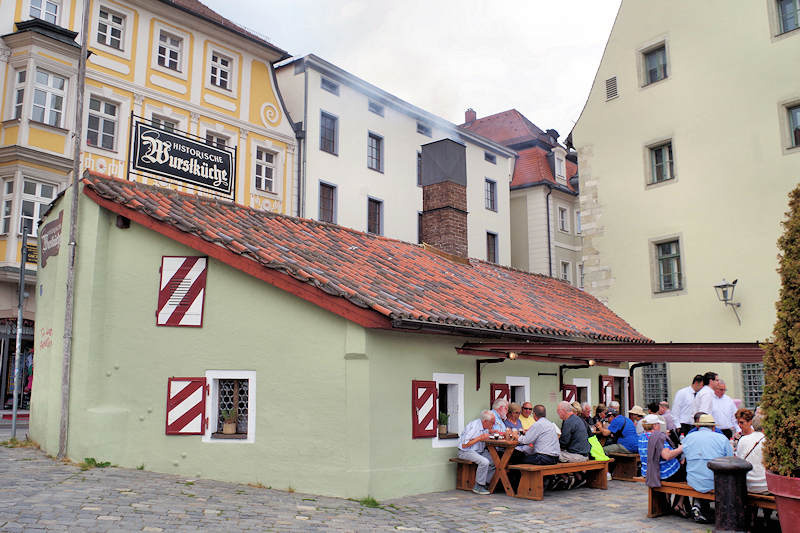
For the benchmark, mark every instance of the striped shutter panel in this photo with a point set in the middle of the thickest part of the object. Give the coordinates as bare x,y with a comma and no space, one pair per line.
606,389
186,406
423,409
182,291
499,390
569,393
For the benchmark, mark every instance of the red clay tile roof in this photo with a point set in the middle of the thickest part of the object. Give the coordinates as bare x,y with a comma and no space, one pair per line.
203,11
532,167
398,280
508,128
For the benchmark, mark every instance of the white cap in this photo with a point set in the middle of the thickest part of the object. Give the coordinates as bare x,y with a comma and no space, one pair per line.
652,419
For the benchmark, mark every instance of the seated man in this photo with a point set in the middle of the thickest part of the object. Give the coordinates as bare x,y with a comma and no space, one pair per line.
526,417
574,439
472,447
540,442
500,411
699,447
623,430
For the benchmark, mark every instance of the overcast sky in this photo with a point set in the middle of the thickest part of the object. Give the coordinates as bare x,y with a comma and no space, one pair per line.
538,56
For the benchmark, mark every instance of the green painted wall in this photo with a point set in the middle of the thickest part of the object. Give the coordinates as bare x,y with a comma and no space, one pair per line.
333,410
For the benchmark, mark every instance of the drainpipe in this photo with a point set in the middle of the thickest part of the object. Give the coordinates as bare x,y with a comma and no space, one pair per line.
301,186
630,381
549,245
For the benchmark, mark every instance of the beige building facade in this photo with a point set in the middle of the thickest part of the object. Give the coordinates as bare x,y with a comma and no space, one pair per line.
688,146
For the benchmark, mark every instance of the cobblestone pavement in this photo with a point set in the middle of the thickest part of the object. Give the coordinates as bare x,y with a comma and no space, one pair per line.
41,494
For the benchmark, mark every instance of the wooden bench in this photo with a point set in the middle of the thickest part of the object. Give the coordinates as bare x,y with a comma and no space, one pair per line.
531,482
658,504
626,466
465,474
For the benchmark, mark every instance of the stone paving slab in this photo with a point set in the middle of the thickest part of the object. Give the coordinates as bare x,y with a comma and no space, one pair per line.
41,494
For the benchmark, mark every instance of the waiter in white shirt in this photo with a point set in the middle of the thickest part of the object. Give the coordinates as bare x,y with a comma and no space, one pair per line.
724,411
704,399
683,405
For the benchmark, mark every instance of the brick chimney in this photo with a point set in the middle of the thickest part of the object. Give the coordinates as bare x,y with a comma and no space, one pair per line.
470,116
444,196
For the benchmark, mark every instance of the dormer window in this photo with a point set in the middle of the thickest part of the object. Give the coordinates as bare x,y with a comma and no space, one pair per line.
559,168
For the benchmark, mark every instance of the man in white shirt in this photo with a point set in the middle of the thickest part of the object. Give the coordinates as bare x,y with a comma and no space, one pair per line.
472,447
683,406
704,399
724,411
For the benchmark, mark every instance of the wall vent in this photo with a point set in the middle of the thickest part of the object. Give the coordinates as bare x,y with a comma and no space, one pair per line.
611,88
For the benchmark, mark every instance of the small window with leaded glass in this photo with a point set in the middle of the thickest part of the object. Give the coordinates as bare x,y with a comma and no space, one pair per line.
231,405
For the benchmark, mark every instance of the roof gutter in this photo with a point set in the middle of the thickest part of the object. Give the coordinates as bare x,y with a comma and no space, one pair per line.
473,331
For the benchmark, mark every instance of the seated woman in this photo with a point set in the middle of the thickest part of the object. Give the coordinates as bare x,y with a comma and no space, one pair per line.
750,449
657,453
512,420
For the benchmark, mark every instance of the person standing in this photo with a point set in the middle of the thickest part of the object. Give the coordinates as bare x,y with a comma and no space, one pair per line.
704,399
724,411
683,404
472,447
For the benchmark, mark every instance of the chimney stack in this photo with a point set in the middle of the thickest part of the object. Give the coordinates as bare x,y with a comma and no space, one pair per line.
444,196
470,116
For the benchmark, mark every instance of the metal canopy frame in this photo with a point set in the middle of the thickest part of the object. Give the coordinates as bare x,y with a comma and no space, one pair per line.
603,354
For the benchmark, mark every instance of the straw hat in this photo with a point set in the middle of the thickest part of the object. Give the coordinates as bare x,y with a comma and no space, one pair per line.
637,410
705,420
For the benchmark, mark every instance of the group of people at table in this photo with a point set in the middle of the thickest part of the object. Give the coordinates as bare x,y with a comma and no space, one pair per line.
704,424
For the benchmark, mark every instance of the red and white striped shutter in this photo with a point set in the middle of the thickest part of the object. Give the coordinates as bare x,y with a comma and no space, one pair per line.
499,390
569,393
606,389
182,291
423,409
186,406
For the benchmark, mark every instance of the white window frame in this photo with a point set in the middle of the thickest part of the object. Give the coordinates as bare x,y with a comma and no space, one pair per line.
788,113
7,214
128,15
587,384
43,4
450,379
40,202
520,381
560,168
264,164
665,147
647,49
581,275
212,137
107,38
165,123
233,69
50,92
103,117
212,403
568,272
20,87
183,55
563,221
277,166
781,29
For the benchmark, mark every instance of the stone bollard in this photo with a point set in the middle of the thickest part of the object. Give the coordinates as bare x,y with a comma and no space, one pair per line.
730,493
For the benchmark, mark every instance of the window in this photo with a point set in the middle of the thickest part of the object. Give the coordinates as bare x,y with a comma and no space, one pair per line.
611,88
232,399
563,219
419,168
49,91
669,266
265,169
163,123
559,168
169,51
374,216
110,28
661,166
654,382
216,140
327,203
794,125
19,93
753,383
580,276
491,247
419,227
578,229
101,130
655,65
491,158
375,152
490,193
565,270
328,133
220,71
46,10
424,129
330,86
375,107
789,14
36,196
8,206
450,389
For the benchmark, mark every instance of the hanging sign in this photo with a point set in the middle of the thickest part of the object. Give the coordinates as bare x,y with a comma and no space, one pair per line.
32,252
50,238
178,157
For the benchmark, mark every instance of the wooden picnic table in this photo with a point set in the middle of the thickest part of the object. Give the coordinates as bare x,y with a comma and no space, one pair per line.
501,463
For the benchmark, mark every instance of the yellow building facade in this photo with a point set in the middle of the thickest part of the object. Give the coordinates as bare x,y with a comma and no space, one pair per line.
175,66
